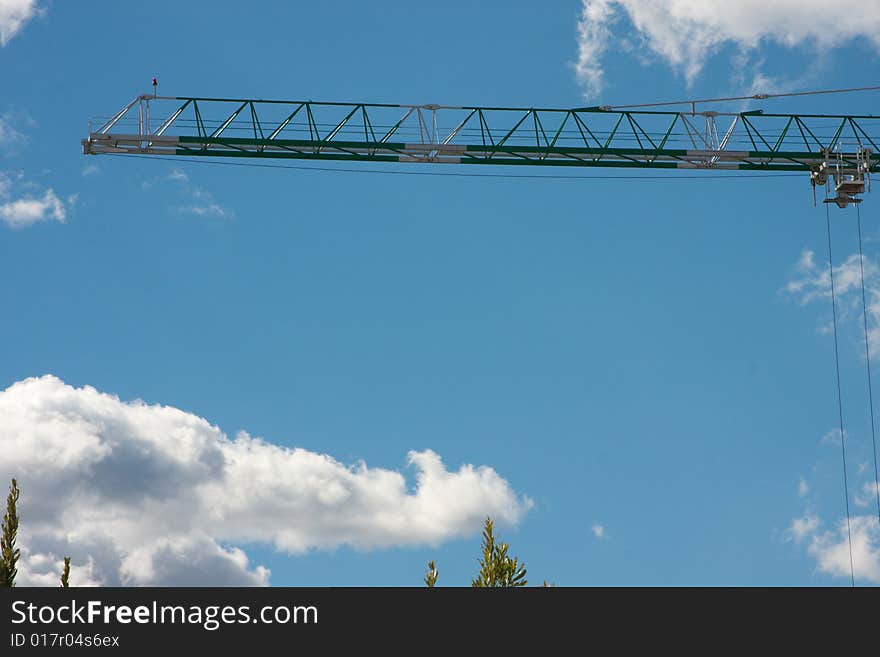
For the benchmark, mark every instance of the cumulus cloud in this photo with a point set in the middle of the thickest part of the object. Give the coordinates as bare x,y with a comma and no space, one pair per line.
28,210
594,33
21,207
831,548
685,33
13,16
598,531
150,494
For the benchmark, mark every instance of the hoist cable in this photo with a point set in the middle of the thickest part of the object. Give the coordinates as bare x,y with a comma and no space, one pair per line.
839,398
868,359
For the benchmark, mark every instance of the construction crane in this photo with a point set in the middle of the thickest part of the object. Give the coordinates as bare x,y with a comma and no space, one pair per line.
839,152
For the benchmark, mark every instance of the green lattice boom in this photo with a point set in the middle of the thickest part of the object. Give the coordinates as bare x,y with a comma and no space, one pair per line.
581,137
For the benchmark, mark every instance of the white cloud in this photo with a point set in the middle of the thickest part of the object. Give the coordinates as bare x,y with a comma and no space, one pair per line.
599,531
203,203
150,494
29,210
685,33
831,549
803,488
832,437
207,209
90,170
593,35
868,494
10,136
6,181
194,560
812,282
803,527
199,201
44,569
20,207
178,176
13,16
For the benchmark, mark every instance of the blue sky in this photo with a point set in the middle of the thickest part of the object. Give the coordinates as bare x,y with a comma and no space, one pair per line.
632,355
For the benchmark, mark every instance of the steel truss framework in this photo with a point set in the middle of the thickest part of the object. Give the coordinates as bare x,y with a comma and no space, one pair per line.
836,145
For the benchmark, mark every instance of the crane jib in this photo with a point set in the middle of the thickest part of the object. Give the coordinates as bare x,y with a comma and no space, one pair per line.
837,151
